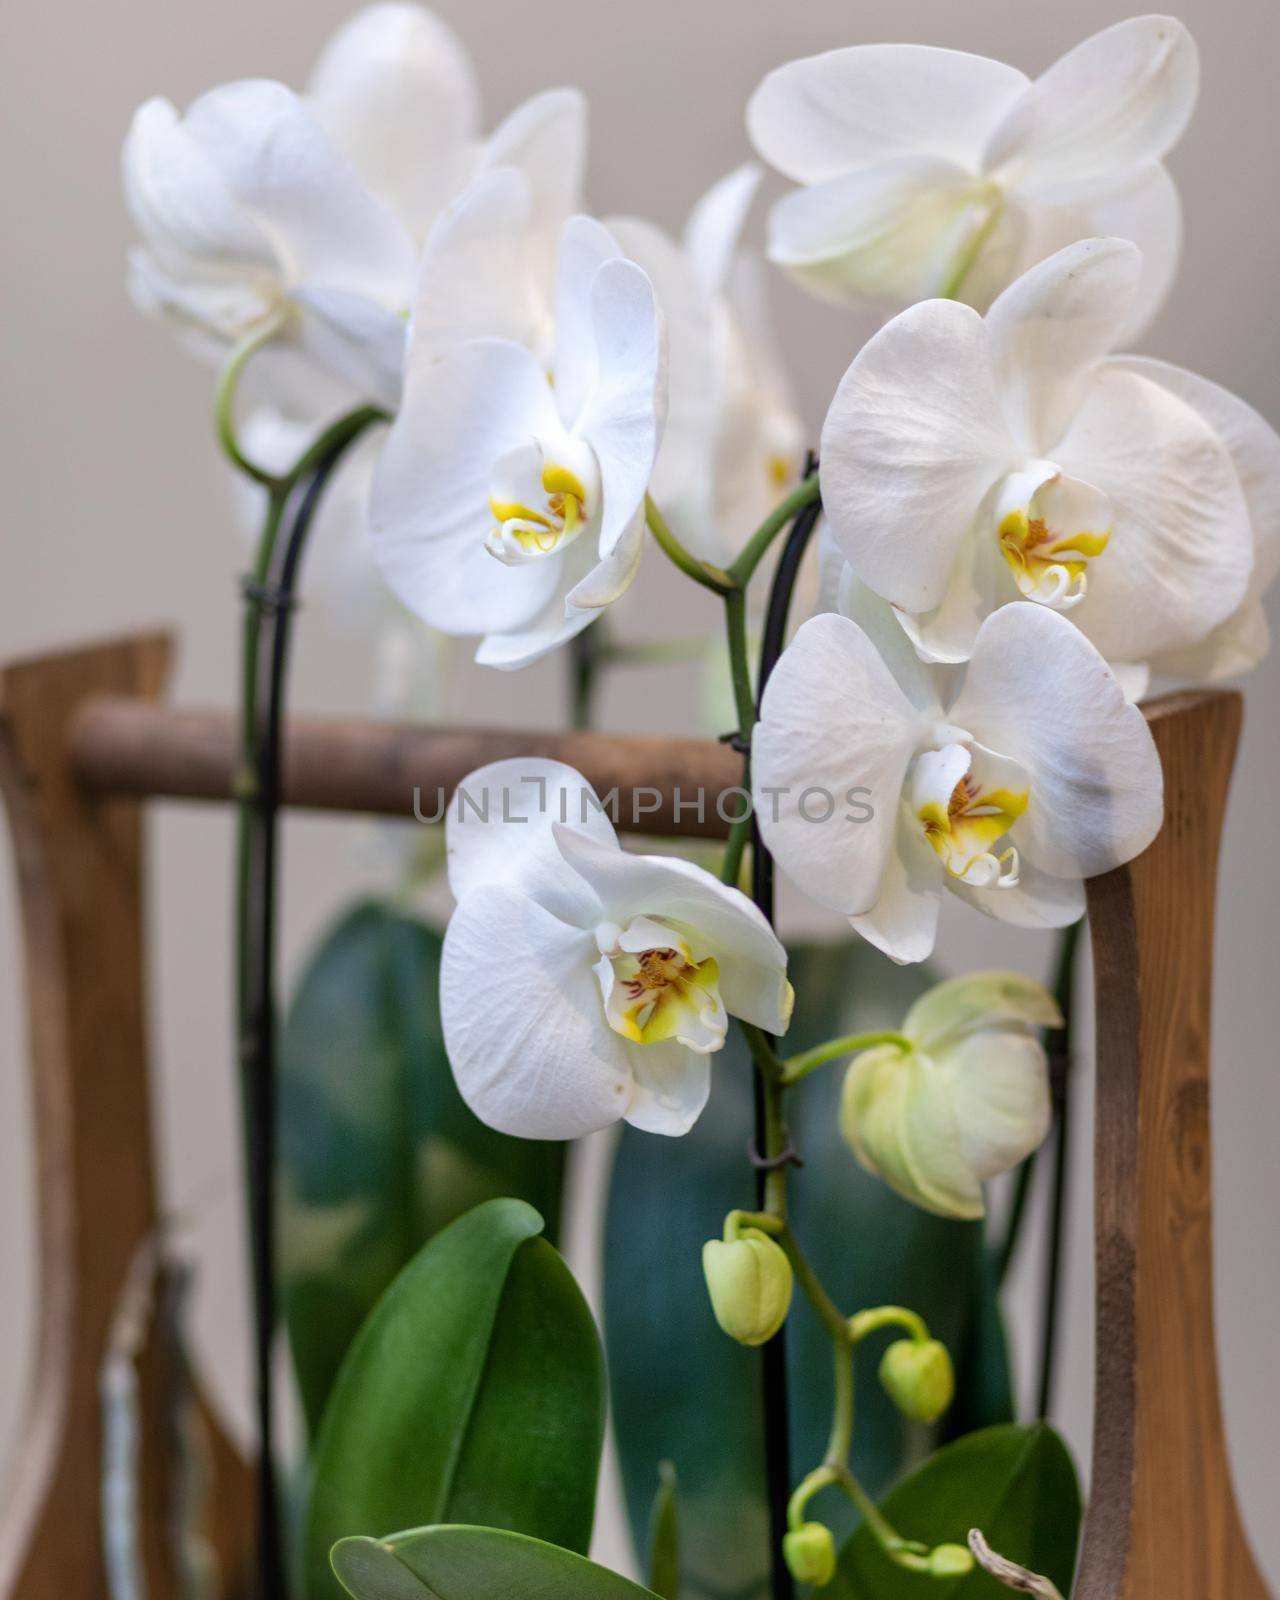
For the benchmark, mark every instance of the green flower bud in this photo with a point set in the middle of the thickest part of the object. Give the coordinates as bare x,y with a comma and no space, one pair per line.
918,1377
969,1098
749,1281
949,1561
810,1554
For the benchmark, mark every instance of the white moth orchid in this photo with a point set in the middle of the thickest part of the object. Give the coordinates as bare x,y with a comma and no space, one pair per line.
970,462
509,497
966,1100
734,441
581,985
263,210
933,172
1035,774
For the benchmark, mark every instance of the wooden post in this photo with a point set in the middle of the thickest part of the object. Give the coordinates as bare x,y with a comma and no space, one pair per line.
79,869
1163,1522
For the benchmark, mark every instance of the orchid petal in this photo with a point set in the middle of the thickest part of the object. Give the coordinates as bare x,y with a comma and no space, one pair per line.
278,162
624,414
914,439
726,925
832,720
1037,900
714,229
1101,113
976,1002
816,118
903,923
355,339
546,139
523,1020
894,232
1181,550
1038,693
999,1098
499,829
886,629
670,1087
584,248
1050,327
396,90
473,280
430,504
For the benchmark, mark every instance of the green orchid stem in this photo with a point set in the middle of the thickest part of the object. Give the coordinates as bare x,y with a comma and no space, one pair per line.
975,248
702,572
225,402
752,553
735,619
796,1067
866,1322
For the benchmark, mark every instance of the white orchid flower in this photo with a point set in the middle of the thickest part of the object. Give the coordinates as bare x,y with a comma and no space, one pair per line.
253,221
965,1098
1036,774
261,209
734,441
509,496
969,462
933,172
581,985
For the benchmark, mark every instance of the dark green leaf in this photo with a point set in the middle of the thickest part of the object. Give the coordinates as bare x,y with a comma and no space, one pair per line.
1017,1484
473,1564
681,1390
473,1393
378,1151
664,1536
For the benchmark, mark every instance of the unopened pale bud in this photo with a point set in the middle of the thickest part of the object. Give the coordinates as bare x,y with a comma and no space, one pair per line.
949,1561
810,1554
749,1281
918,1377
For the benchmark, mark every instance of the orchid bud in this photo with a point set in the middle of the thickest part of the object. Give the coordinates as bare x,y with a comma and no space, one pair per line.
749,1281
917,1376
949,1561
966,1097
810,1554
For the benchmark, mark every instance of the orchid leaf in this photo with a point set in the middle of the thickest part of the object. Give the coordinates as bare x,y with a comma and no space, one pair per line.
452,1563
378,1151
473,1393
1018,1485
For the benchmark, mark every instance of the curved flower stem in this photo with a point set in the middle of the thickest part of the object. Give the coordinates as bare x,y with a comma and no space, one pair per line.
865,1322
735,617
225,400
702,572
796,1067
269,593
806,493
975,248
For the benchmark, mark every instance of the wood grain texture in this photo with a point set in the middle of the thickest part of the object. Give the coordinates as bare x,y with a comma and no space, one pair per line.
354,764
79,873
1163,1522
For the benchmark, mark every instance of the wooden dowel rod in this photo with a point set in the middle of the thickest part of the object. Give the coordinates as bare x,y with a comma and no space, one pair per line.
131,747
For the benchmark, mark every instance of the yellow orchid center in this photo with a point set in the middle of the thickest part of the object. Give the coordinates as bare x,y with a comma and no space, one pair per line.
656,989
967,800
540,503
1049,529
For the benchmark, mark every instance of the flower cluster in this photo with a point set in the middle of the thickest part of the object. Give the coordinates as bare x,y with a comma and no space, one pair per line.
1023,529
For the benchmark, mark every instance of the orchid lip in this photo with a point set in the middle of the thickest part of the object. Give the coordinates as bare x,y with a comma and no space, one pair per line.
1049,527
655,989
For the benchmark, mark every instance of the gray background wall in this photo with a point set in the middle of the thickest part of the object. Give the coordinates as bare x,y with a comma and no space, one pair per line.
116,514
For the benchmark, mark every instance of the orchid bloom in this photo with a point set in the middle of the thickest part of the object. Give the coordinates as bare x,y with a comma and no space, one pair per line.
581,985
967,462
734,441
1035,774
300,218
509,497
963,1100
933,172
